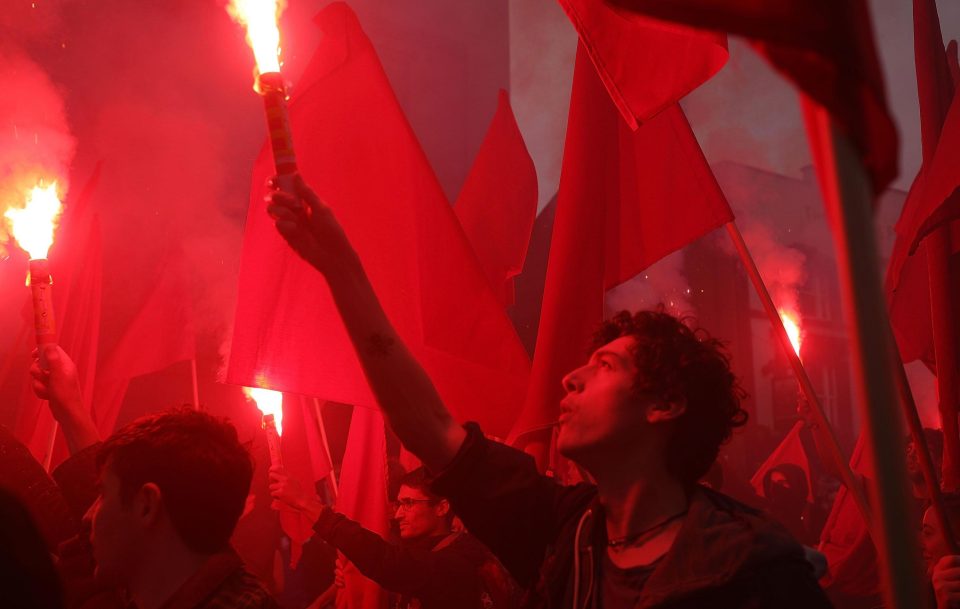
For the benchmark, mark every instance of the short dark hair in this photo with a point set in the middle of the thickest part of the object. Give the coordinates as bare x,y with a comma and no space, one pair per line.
419,479
677,362
199,465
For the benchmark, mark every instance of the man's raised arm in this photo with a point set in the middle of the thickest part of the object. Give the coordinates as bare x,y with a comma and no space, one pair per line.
401,385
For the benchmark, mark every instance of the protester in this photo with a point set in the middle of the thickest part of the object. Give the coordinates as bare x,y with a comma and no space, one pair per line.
943,567
786,489
171,488
853,578
645,417
432,567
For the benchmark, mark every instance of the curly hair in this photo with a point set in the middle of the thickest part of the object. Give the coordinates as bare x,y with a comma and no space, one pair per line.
678,363
197,461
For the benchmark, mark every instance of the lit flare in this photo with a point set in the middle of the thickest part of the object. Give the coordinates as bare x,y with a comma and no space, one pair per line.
268,402
791,322
32,226
259,17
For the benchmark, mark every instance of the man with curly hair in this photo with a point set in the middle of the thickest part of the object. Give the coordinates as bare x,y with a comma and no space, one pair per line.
645,416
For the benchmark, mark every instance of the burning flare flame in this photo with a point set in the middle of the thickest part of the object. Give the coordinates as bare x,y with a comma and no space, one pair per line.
32,226
259,17
268,401
792,325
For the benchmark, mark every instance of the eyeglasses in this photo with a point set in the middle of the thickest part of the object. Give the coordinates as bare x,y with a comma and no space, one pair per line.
408,502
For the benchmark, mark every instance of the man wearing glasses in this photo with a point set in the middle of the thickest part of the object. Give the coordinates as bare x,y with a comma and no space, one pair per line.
433,566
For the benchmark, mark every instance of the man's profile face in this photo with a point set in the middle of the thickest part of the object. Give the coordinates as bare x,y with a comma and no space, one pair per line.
931,541
114,530
418,515
601,408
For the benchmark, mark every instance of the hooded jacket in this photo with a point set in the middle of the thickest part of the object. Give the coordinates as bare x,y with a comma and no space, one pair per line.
552,538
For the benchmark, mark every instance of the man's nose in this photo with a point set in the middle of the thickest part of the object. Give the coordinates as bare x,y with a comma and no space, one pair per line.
573,381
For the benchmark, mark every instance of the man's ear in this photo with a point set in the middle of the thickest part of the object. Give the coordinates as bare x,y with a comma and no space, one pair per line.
148,504
661,411
443,508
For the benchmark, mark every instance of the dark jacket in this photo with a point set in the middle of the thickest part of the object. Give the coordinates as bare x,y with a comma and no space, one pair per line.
726,555
446,572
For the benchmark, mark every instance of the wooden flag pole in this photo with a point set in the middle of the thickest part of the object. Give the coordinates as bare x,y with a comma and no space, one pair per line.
847,196
841,462
326,447
51,443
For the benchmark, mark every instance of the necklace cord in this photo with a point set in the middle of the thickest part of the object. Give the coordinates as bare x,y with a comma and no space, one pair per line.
633,537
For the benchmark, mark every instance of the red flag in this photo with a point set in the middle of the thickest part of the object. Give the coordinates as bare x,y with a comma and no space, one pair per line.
825,47
847,545
76,261
790,450
933,201
621,195
363,498
161,334
939,124
908,282
498,203
357,149
940,197
645,64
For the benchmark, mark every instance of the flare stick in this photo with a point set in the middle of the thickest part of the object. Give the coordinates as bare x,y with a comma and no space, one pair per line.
274,93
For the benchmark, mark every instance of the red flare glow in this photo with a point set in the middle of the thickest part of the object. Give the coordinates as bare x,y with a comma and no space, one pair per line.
32,225
791,322
259,17
268,402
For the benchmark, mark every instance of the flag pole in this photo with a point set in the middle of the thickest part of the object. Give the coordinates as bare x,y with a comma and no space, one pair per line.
841,462
326,447
847,196
195,385
51,442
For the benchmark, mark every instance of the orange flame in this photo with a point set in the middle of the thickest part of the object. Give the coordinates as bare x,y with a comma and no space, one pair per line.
32,225
260,17
791,322
268,401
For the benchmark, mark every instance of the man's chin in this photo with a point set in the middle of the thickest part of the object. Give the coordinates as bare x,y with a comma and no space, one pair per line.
568,446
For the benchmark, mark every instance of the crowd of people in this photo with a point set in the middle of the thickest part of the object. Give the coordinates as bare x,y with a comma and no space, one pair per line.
144,518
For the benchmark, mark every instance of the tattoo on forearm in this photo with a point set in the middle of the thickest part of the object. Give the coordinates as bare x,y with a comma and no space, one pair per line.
380,345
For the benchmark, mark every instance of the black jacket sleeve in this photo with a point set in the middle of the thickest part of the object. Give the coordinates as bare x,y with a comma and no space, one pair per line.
507,504
394,567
